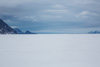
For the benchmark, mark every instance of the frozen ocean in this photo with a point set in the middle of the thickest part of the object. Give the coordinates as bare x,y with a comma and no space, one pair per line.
50,50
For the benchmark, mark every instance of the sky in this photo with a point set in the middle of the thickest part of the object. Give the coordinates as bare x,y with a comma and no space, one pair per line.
52,16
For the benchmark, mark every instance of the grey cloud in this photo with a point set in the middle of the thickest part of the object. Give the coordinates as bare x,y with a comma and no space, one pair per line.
45,14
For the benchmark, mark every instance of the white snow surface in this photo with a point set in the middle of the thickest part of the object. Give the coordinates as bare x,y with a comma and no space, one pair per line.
50,50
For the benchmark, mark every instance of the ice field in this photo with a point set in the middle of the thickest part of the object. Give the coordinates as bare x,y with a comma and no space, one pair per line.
50,50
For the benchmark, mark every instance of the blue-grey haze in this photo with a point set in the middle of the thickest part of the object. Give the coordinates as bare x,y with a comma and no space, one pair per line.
52,16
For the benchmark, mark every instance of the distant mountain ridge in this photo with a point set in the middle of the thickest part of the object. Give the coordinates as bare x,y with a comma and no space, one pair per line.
5,29
28,32
18,31
21,32
94,32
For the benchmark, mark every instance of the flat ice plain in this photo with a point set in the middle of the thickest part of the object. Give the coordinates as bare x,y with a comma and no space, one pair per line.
50,50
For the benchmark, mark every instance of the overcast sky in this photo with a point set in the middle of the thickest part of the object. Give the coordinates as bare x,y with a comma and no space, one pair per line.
52,16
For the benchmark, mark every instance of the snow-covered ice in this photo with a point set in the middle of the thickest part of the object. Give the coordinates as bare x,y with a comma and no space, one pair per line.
50,50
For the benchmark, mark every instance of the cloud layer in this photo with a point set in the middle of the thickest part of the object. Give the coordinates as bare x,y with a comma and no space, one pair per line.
52,15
